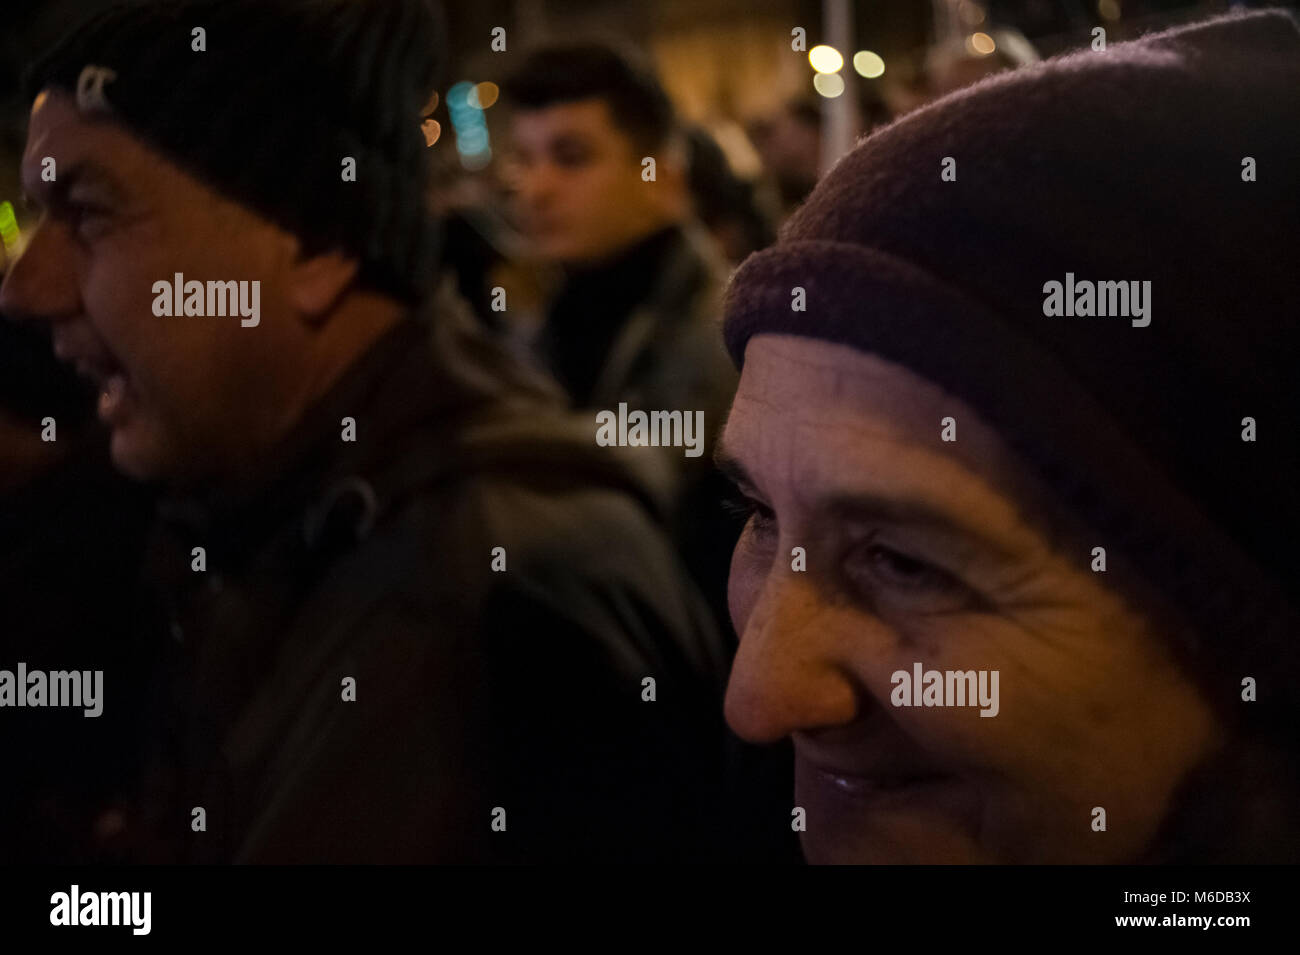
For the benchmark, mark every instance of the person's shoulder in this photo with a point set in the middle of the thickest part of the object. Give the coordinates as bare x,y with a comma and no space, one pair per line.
697,270
534,495
548,522
473,566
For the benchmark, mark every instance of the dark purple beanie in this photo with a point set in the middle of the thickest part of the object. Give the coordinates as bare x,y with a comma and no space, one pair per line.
1127,164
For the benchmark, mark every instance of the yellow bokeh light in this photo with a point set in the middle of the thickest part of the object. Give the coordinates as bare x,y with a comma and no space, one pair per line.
868,64
829,85
825,59
981,43
484,95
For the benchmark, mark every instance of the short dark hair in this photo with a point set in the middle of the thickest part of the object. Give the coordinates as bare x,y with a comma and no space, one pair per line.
569,72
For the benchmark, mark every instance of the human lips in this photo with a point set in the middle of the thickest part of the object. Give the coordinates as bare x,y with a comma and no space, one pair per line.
96,362
880,782
861,813
866,785
878,787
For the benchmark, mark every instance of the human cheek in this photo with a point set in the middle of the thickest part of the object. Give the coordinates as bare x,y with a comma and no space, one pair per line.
620,191
992,735
575,190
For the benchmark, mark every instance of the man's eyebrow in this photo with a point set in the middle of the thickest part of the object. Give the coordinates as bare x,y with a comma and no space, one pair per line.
90,173
82,172
570,137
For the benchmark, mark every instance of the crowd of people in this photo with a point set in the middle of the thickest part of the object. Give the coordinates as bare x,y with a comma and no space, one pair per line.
363,585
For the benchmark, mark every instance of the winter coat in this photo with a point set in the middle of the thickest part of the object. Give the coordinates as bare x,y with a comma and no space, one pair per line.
461,636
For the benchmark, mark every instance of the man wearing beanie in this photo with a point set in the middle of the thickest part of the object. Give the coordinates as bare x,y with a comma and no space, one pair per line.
394,624
1017,421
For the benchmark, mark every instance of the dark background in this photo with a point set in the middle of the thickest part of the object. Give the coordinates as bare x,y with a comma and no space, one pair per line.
722,60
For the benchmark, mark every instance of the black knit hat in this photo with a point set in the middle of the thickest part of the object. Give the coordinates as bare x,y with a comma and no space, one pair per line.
1127,164
266,112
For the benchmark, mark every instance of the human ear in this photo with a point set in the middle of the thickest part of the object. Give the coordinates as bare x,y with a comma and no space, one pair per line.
316,282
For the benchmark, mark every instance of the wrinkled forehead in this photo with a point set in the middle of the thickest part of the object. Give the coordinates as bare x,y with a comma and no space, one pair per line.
806,375
814,397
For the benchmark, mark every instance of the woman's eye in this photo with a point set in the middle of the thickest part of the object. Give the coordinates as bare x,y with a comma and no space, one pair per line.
762,520
758,517
902,570
910,583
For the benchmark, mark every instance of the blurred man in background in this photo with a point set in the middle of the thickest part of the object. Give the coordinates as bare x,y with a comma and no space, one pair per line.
636,318
789,142
599,170
726,204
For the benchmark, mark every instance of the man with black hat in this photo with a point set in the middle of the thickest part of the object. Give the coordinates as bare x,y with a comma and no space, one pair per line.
409,616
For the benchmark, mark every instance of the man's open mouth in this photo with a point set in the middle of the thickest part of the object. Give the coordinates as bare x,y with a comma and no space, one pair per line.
98,365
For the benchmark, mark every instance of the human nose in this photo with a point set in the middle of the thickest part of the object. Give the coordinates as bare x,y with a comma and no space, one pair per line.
789,673
40,284
537,185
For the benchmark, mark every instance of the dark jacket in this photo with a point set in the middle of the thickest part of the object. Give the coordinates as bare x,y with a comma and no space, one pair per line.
475,689
645,328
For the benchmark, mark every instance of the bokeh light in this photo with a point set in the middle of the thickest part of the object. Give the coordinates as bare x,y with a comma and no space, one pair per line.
868,64
829,85
825,59
467,121
483,95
